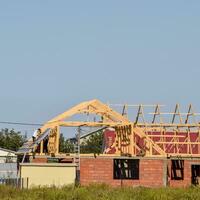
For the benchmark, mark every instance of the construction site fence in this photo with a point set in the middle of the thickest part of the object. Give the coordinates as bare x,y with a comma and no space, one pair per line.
15,182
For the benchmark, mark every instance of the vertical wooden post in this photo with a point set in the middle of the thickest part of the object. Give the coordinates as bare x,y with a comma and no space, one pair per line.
132,141
41,147
148,153
57,139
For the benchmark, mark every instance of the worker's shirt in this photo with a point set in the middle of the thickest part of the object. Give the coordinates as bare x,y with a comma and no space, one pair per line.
35,133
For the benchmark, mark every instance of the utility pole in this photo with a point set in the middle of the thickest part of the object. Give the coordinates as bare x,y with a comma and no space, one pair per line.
77,154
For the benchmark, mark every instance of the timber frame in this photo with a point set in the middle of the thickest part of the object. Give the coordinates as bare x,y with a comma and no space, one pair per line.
134,138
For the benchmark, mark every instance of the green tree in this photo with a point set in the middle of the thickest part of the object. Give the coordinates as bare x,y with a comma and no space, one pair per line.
10,139
65,146
93,144
69,147
62,143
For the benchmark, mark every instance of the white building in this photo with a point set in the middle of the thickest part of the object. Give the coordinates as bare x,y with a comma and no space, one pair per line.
8,164
7,156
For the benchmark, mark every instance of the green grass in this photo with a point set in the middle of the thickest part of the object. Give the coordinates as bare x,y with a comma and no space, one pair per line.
99,192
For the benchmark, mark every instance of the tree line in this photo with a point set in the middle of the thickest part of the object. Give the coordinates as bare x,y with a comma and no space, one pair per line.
11,139
91,144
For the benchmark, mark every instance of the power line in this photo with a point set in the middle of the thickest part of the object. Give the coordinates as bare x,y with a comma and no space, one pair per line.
20,123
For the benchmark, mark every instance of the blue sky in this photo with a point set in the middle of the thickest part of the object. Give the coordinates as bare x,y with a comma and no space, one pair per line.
54,54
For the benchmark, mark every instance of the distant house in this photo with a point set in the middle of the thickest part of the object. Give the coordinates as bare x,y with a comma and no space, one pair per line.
7,155
8,163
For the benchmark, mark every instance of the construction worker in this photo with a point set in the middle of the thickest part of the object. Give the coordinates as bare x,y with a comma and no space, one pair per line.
36,133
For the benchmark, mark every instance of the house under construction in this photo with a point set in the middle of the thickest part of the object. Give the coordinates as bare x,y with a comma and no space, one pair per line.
152,149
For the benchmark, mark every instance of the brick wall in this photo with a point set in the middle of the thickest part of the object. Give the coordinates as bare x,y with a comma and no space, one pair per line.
100,170
187,174
39,160
152,172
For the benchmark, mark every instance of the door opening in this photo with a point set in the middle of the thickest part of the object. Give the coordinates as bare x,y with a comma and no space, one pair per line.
195,174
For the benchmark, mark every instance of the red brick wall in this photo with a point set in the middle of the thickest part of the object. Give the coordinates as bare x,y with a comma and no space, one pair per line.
39,160
151,173
187,174
100,170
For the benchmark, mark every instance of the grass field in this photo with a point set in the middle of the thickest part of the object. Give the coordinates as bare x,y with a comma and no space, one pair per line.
99,192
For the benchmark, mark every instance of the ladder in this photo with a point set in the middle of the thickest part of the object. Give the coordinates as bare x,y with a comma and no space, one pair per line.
23,159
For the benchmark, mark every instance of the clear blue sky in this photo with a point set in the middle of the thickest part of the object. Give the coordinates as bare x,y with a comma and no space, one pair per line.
54,54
